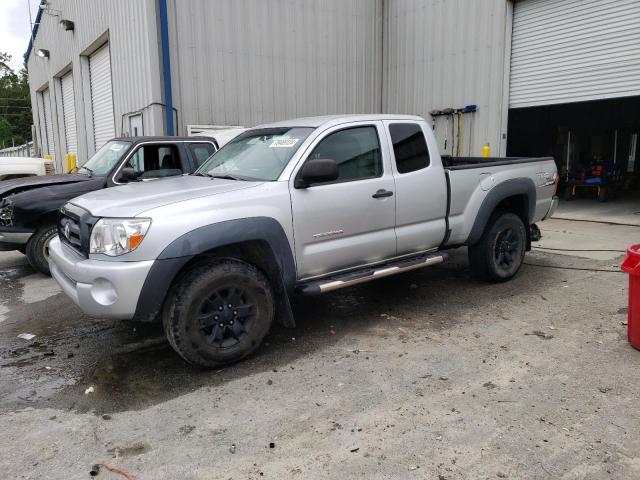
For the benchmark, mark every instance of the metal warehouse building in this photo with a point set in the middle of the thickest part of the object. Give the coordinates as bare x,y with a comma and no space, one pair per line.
558,77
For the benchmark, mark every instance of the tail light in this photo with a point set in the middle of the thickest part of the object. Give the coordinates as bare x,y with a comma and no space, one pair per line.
48,168
556,182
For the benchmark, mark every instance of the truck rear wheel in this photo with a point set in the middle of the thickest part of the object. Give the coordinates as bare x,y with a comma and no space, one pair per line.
219,312
500,252
38,248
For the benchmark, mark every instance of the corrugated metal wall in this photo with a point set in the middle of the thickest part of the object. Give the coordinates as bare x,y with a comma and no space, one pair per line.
574,50
450,53
130,27
245,62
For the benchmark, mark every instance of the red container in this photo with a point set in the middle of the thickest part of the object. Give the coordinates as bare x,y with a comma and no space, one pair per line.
631,265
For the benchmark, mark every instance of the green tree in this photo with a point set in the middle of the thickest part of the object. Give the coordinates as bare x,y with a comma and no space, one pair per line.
15,104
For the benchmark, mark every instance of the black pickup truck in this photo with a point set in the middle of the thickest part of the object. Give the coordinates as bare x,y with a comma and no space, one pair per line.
29,206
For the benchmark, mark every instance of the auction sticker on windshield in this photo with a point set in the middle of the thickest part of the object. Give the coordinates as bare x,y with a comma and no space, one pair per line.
283,142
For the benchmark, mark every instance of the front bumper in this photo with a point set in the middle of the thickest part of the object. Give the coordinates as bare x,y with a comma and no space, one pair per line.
11,238
100,288
552,208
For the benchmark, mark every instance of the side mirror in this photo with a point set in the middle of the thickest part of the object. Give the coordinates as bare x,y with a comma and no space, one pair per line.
128,174
317,170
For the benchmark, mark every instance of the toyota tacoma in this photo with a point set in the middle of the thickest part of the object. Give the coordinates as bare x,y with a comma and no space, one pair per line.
303,206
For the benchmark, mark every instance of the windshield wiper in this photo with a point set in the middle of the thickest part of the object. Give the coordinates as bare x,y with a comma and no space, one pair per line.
226,177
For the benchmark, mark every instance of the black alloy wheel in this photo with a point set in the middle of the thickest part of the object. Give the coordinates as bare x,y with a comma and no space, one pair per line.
506,249
226,315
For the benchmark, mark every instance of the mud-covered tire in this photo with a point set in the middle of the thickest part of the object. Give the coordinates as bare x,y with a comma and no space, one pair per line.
499,254
219,312
37,251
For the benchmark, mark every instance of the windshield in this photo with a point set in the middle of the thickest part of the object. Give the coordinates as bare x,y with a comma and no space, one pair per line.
259,154
105,159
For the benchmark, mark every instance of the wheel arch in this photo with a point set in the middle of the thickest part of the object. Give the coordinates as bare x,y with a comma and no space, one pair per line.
260,241
517,196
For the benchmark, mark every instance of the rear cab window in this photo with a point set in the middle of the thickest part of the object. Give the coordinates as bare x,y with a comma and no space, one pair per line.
409,147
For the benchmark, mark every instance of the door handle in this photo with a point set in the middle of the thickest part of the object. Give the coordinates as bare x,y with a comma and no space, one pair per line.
382,193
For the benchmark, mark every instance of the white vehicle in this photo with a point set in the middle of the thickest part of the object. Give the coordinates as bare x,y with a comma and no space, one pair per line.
222,135
18,167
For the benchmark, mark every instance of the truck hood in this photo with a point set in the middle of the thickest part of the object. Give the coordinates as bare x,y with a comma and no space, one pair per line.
28,183
133,199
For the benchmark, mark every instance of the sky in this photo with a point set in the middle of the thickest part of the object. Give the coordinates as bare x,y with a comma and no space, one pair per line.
15,28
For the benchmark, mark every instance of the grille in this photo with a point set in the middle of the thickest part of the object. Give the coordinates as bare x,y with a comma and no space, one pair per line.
69,231
74,228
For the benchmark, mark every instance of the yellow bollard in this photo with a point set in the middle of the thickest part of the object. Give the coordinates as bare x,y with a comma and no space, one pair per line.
70,162
486,151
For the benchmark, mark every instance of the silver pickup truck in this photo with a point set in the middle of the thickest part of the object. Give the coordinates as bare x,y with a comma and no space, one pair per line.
303,206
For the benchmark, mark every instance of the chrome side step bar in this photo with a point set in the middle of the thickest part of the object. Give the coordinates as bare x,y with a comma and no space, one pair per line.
354,278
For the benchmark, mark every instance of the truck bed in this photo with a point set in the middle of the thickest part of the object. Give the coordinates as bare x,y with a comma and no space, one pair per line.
471,179
462,163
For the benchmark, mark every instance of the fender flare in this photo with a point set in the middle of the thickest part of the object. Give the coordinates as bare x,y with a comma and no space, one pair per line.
203,239
509,188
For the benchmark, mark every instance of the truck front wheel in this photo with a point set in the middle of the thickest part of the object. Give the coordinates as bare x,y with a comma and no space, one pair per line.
500,252
219,312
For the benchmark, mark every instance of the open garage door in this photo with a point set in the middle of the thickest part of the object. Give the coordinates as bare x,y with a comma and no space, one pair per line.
69,113
575,95
574,51
101,96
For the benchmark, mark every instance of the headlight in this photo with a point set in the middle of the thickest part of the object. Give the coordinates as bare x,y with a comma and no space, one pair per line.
117,236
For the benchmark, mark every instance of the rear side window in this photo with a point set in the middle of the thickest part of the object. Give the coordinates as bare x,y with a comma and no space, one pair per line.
409,147
355,150
201,152
155,161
